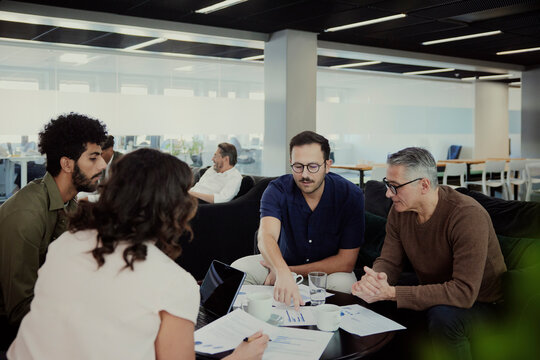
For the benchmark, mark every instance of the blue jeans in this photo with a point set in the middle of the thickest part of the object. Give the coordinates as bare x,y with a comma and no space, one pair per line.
451,327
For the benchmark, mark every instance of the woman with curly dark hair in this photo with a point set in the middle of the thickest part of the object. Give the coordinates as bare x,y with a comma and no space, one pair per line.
109,288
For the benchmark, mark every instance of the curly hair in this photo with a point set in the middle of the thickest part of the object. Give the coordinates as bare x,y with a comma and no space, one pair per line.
145,198
67,136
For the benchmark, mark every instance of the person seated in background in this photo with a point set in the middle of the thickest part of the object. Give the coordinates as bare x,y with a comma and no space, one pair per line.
318,218
221,182
110,156
110,288
449,239
36,214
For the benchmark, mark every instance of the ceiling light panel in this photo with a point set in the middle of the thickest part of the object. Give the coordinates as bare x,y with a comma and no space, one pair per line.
495,77
365,63
432,71
364,23
253,58
464,37
145,44
518,51
219,6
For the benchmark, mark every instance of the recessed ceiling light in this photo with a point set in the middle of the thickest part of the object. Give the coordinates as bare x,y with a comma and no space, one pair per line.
515,83
146,43
365,63
471,78
493,77
364,23
256,57
518,51
219,6
464,37
433,71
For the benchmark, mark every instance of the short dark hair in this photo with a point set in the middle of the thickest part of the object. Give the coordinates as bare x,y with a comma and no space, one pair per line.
310,137
108,143
145,198
67,135
227,149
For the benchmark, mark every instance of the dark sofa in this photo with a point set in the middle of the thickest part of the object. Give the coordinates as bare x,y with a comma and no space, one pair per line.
223,231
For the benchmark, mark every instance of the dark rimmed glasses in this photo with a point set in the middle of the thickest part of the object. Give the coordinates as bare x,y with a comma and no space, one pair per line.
394,188
311,167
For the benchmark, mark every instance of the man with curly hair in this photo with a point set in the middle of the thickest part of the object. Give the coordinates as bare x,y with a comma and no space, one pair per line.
36,215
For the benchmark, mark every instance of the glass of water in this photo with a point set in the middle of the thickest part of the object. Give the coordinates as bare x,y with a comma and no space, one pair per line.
317,287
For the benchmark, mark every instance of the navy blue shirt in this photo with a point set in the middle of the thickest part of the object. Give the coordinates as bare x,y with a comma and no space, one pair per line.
307,236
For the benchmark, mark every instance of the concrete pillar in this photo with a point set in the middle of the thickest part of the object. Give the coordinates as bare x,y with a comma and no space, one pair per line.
290,91
490,120
530,113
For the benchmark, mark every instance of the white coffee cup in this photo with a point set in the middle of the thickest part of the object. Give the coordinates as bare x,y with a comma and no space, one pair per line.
260,305
297,278
328,317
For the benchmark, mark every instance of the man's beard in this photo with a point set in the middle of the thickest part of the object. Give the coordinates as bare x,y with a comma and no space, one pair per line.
82,182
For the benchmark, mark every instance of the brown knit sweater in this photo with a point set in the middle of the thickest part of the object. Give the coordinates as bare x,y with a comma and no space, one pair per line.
455,254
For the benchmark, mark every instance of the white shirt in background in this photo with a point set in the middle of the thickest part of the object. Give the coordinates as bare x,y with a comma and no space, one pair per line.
224,186
80,311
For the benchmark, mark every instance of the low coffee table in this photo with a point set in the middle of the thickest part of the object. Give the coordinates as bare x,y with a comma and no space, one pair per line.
343,345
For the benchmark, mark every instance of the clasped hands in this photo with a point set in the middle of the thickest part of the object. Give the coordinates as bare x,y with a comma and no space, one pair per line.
285,288
373,286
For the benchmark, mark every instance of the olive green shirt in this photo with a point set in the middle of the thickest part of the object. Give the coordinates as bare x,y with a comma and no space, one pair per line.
29,221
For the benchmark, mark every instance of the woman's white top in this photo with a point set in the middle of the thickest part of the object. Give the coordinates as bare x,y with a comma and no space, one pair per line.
80,311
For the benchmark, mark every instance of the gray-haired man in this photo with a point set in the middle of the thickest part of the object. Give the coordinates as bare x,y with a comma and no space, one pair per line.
450,241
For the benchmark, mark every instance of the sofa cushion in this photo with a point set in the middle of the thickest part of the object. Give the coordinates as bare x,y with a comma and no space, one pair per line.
376,201
519,253
522,280
373,240
510,218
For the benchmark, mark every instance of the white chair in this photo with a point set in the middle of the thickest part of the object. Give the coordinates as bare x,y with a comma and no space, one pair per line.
378,173
533,177
515,177
492,166
453,169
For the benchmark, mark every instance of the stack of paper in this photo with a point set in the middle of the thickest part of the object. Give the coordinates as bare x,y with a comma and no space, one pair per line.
286,343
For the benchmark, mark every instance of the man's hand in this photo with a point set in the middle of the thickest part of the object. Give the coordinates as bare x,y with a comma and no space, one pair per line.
285,289
271,277
373,286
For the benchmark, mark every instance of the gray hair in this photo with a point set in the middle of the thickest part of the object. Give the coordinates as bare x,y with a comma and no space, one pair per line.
418,162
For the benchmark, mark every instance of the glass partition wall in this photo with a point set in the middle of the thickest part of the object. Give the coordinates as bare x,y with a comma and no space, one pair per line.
182,105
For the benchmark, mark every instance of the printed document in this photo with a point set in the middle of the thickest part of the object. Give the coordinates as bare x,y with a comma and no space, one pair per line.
290,317
241,299
286,343
358,320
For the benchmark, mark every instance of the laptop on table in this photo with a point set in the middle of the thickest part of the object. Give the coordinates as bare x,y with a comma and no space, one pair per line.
218,290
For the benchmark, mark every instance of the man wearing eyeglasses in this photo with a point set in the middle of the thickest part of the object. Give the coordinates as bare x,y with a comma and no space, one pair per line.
449,240
318,219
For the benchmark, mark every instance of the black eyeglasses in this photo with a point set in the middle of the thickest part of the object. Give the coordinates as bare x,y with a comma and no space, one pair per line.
394,188
311,167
